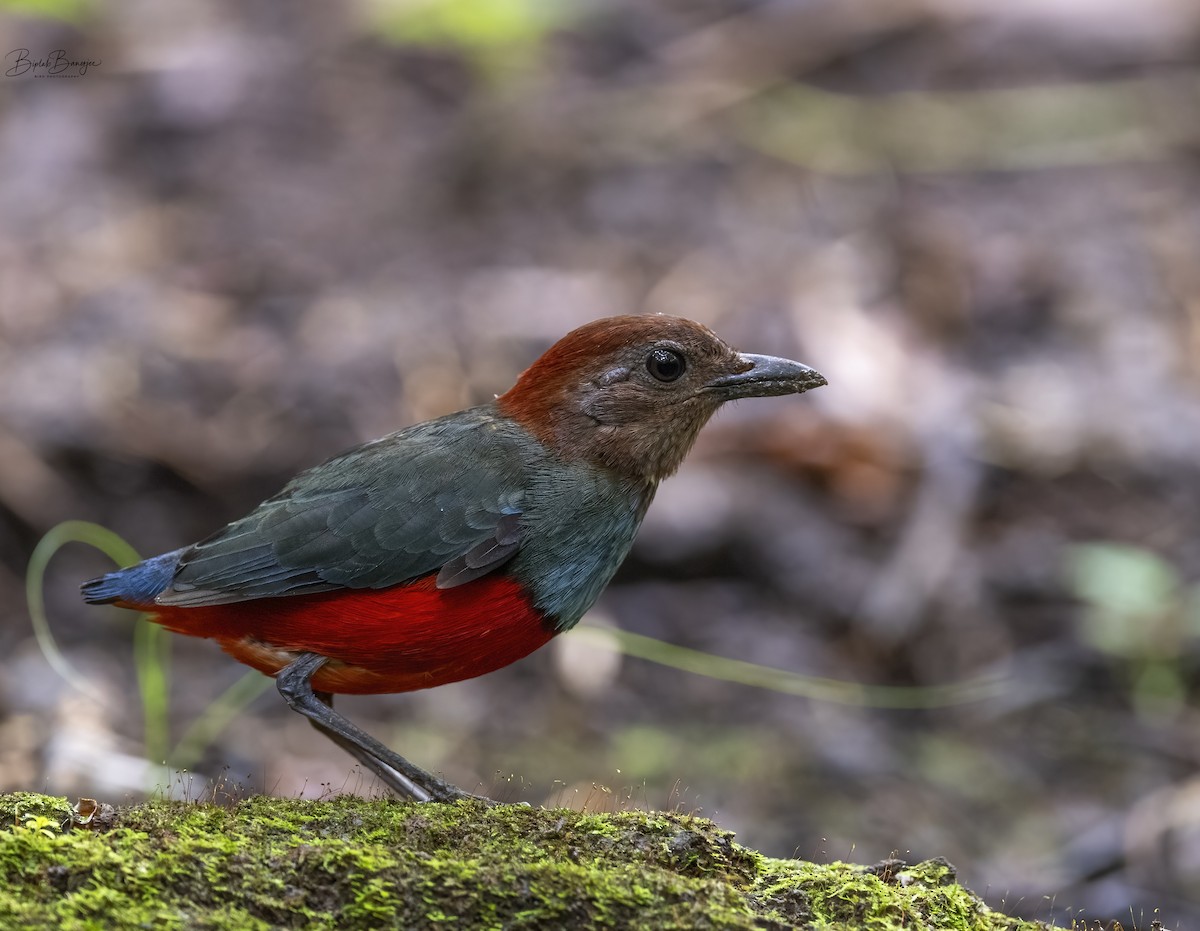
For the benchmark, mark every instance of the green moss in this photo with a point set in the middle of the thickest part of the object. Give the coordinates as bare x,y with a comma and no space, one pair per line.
354,863
14,807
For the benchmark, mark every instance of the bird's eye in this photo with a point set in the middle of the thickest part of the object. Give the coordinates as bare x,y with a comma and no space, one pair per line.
665,364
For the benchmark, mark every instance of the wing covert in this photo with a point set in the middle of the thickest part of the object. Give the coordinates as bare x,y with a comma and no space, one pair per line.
445,496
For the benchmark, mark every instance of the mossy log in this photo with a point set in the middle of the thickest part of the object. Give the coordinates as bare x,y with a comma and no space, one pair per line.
350,863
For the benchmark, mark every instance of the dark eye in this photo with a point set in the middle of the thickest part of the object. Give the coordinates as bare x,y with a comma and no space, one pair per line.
665,364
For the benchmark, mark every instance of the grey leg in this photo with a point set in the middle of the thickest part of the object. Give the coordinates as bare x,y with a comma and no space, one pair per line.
294,683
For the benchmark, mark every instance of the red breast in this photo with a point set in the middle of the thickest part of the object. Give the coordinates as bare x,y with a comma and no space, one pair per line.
399,639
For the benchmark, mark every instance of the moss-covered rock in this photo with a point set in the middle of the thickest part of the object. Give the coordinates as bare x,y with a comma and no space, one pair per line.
355,863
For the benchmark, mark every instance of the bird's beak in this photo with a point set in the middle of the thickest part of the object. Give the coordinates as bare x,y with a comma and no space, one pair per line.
766,376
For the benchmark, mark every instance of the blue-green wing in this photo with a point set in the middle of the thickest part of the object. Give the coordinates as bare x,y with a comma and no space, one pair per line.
444,496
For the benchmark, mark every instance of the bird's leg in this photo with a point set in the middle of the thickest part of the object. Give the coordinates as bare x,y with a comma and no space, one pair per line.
397,782
294,683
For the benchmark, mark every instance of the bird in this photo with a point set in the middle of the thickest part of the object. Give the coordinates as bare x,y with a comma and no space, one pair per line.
456,546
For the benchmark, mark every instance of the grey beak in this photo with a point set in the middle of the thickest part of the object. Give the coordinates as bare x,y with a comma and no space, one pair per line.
766,376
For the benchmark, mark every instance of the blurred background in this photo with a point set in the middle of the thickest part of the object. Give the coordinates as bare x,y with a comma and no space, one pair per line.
252,234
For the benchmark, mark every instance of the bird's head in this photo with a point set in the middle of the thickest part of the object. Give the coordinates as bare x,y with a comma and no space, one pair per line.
631,393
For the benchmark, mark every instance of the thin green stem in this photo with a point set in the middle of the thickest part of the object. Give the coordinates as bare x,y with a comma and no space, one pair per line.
71,531
152,661
792,683
216,717
151,651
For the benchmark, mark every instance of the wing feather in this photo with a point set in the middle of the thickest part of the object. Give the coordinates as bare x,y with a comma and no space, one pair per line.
444,496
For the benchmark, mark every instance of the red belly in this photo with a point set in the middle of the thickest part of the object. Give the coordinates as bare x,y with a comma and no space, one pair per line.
409,637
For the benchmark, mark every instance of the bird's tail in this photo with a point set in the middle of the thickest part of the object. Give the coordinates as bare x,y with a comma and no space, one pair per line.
135,587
